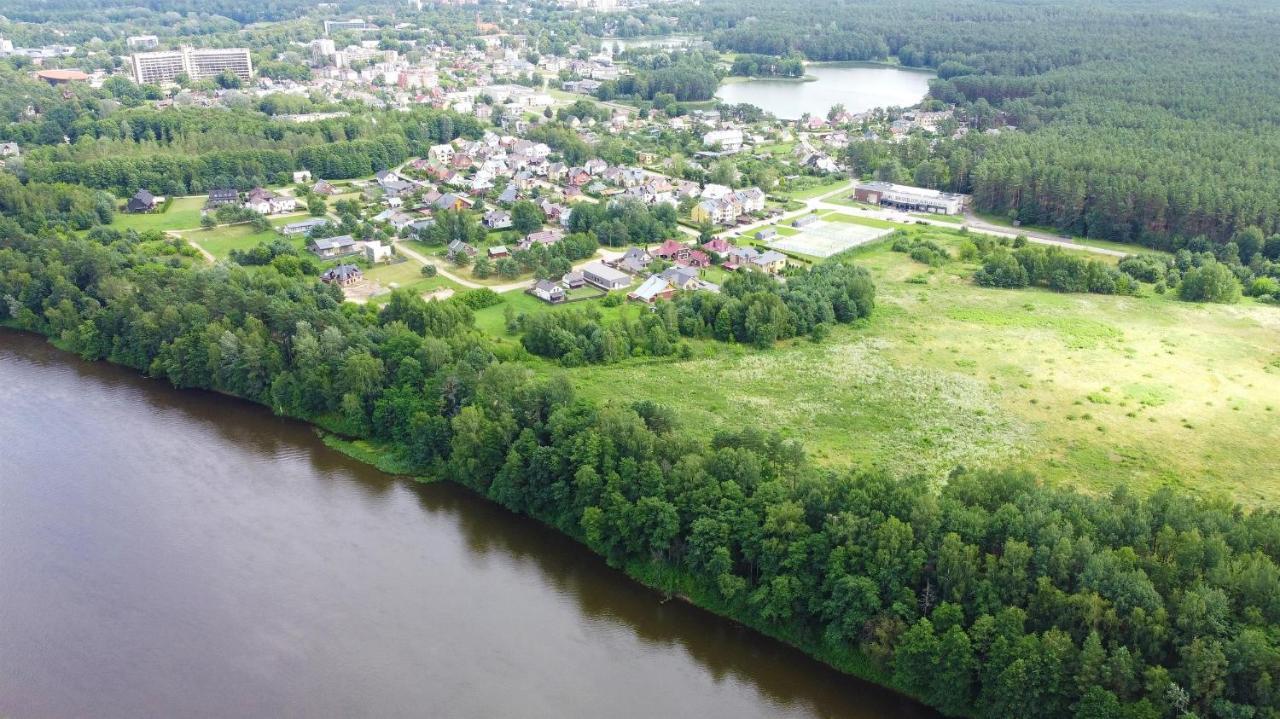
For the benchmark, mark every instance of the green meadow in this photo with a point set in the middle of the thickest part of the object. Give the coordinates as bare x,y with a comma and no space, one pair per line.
1090,390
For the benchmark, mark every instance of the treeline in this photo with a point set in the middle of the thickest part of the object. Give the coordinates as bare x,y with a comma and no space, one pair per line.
753,65
991,595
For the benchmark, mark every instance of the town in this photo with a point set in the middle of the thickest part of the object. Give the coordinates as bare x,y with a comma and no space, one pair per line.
742,192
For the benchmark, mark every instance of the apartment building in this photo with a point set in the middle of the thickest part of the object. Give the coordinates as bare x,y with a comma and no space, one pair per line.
198,64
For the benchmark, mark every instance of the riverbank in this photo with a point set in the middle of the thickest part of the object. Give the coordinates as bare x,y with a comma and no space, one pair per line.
241,422
663,581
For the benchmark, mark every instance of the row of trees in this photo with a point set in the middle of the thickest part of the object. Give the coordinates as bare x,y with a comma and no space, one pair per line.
992,595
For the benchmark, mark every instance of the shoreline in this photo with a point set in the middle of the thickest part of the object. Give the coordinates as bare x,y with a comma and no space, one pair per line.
664,582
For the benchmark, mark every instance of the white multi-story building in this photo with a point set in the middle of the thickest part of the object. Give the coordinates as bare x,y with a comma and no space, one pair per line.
197,64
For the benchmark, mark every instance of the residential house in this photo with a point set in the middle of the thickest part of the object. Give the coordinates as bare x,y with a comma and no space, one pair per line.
672,251
738,257
376,252
330,247
324,188
497,219
143,201
222,196
266,202
605,277
770,261
573,280
498,252
545,238
303,227
717,246
342,275
634,261
451,201
652,289
302,176
548,291
458,246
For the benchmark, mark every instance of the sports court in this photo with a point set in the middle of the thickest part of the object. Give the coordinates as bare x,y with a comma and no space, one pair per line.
824,239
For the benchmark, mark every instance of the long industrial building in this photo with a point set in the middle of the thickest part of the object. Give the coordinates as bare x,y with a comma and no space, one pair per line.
198,64
903,197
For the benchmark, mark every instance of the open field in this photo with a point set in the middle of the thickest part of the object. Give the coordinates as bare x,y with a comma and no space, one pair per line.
1091,390
220,241
816,191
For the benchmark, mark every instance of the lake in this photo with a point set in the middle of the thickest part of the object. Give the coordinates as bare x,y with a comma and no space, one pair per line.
860,86
171,553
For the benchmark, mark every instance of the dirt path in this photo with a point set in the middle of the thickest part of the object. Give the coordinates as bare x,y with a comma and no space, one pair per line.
208,256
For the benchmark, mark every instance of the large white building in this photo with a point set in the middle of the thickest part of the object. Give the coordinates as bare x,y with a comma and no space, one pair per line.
197,64
919,199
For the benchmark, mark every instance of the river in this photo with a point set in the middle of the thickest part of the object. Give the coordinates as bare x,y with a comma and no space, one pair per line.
859,86
170,553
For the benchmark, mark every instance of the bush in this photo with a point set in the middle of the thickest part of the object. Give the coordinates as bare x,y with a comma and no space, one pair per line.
479,299
1211,282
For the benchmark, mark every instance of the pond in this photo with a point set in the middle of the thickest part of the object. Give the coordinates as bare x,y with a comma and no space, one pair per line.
859,86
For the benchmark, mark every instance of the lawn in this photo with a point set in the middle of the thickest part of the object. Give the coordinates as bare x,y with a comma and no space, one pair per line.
817,190
183,214
1091,390
220,241
865,221
953,219
419,285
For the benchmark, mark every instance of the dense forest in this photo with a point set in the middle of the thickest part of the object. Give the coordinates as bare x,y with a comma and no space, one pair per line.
84,141
1137,121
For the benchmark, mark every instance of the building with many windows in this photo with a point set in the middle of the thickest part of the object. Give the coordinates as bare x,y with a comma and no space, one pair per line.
166,65
916,199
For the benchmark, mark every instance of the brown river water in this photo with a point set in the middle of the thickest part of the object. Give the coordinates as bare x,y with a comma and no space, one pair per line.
170,553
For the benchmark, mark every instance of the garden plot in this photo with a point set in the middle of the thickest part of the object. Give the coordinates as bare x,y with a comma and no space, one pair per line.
824,239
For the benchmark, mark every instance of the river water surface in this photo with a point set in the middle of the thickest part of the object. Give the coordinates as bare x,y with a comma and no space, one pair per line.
167,553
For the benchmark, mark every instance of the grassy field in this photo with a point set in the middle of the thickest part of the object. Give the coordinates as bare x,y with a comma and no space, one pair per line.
1090,390
183,214
864,221
220,241
953,219
817,190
